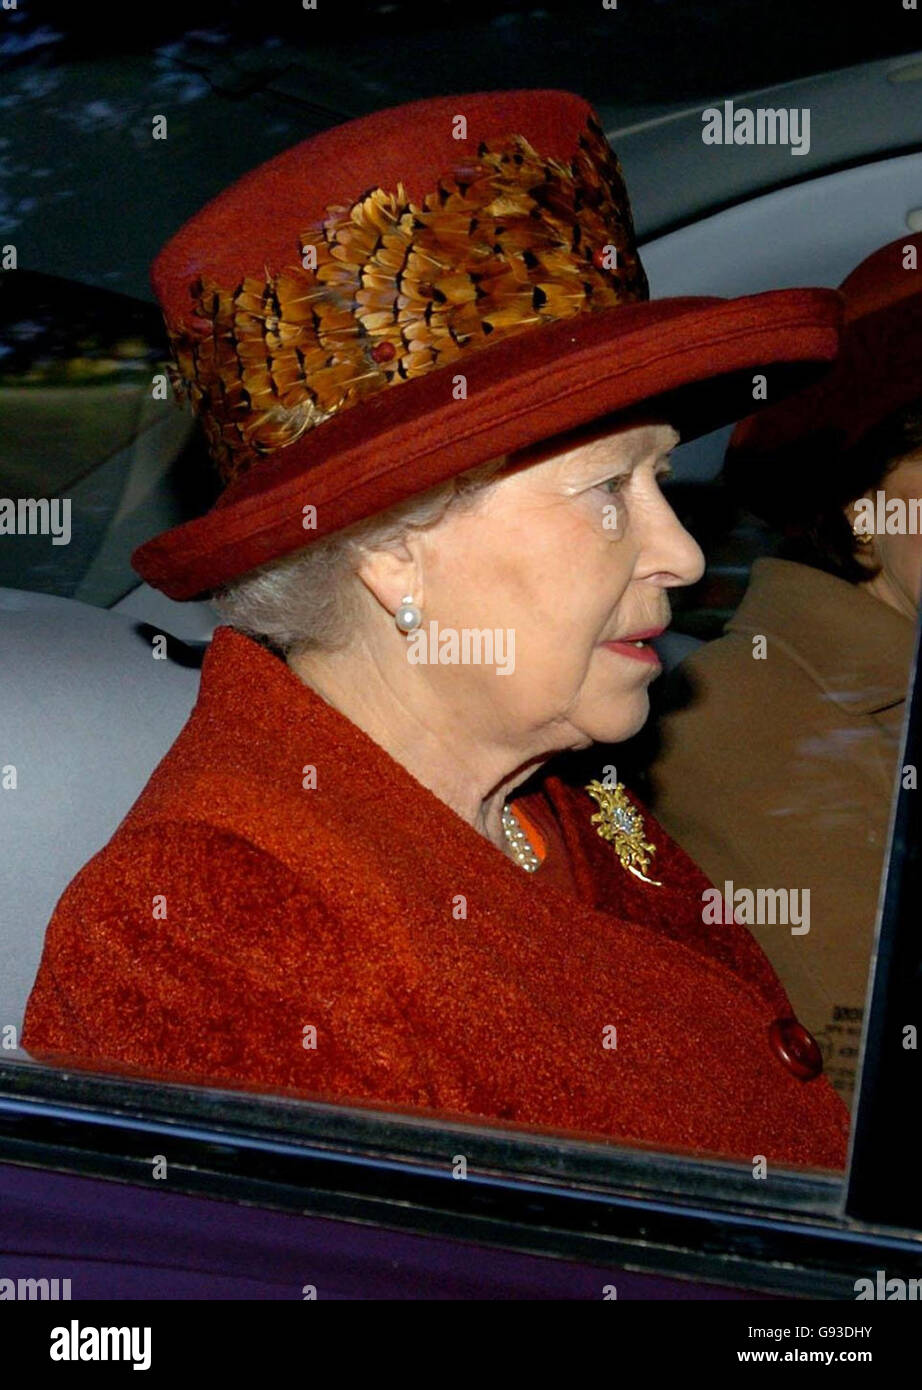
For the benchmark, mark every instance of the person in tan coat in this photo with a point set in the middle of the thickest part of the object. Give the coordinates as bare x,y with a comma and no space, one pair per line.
780,742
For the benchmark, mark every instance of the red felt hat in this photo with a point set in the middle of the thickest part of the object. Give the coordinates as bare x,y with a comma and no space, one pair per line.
877,372
406,296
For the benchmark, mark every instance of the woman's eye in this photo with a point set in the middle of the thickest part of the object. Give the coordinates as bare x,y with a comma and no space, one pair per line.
614,484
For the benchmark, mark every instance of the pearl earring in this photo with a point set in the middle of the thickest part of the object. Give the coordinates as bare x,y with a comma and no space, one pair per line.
408,617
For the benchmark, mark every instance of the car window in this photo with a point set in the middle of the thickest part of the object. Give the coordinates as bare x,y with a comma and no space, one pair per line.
84,423
84,433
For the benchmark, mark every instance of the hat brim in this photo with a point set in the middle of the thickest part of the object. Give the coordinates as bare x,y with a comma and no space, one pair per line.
878,371
519,391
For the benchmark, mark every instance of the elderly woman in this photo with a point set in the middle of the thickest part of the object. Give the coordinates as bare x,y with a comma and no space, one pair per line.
442,553
800,798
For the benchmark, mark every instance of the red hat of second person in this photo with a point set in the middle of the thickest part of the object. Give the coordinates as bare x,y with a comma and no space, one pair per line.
877,372
406,296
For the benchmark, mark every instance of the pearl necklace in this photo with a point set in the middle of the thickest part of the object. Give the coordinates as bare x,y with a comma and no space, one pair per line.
617,821
519,843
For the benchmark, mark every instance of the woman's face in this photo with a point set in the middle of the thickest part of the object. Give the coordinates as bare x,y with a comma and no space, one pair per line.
573,556
899,582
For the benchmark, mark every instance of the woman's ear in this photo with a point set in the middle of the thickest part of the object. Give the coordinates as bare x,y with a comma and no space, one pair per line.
391,574
860,517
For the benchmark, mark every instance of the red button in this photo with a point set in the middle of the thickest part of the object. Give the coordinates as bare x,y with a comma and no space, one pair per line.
796,1048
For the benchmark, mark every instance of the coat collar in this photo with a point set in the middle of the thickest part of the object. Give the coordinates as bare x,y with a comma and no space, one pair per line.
257,732
855,648
258,735
256,708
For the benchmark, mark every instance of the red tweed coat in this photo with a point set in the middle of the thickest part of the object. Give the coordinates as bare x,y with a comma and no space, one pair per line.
357,940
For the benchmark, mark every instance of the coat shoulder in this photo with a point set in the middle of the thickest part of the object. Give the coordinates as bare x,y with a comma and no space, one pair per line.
732,668
184,951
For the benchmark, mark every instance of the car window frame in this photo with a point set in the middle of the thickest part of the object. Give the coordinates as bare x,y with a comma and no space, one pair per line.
878,1190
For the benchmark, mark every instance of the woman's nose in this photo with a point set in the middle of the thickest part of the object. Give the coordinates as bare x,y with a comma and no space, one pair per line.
671,551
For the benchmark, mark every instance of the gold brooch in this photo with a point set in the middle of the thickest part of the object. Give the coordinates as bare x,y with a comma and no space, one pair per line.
618,821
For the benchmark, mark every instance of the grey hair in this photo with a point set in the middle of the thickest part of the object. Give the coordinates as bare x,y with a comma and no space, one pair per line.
309,599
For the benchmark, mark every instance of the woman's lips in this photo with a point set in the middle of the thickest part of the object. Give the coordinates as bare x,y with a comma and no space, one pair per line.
635,647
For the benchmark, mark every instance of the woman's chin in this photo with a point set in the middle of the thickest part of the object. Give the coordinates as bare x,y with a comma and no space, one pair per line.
616,725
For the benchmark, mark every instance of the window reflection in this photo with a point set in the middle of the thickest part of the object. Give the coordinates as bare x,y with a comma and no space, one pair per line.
80,422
